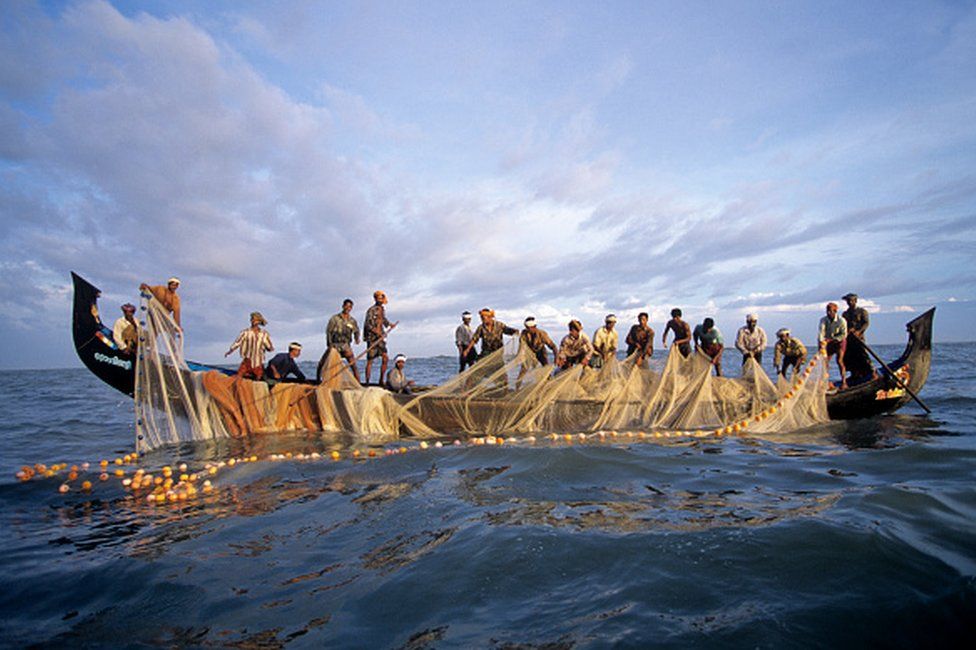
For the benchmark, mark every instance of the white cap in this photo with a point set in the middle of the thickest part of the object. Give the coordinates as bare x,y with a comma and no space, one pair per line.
294,345
530,322
172,280
400,357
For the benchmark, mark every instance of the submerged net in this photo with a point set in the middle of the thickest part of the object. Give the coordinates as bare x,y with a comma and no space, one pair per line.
507,392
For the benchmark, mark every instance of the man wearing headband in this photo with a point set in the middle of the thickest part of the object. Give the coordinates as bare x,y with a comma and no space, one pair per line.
832,339
339,335
640,340
750,340
166,295
283,364
856,358
536,340
490,333
790,351
396,380
462,336
125,332
575,348
253,343
605,341
709,340
682,333
374,333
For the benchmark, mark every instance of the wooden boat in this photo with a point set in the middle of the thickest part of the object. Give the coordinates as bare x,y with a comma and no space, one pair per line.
97,350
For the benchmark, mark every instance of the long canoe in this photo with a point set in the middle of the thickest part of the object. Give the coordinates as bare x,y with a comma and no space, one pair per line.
98,351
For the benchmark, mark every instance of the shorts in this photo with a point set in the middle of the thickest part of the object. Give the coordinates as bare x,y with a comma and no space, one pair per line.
836,347
344,349
248,371
376,349
712,350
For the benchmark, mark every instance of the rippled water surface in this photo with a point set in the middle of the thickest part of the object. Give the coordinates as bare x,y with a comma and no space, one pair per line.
850,534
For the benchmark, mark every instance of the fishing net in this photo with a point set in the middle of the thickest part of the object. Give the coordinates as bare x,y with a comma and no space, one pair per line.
507,392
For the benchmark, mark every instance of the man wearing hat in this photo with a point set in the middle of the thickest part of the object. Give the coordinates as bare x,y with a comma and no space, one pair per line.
396,379
462,336
125,332
253,343
374,333
283,364
856,358
166,295
751,340
536,340
832,339
605,341
790,351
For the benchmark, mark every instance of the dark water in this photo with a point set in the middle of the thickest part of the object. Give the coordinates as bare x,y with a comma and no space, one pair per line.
852,534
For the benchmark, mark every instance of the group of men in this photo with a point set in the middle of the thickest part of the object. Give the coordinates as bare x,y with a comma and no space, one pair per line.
254,342
839,335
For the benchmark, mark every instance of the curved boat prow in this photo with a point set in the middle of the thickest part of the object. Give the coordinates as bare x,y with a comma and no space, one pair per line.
886,394
93,340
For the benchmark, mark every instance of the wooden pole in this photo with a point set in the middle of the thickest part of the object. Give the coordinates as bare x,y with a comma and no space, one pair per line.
897,379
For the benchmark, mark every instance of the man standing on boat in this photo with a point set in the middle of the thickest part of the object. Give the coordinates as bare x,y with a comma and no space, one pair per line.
462,336
283,364
751,340
253,343
166,295
682,333
790,351
832,339
374,333
856,358
491,333
125,332
640,339
339,335
709,340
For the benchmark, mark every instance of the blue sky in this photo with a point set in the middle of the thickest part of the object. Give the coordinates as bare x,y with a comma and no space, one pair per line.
557,159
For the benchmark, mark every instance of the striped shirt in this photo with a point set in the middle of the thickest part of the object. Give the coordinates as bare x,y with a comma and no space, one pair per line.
253,345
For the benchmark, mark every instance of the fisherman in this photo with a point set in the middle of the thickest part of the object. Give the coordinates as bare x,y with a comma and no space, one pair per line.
396,380
462,336
166,295
536,340
283,364
575,348
709,340
751,340
253,342
790,351
490,333
682,333
640,339
340,332
374,333
856,358
125,332
605,341
832,339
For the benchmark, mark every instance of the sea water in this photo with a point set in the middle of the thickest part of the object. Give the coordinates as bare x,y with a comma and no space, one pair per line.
856,534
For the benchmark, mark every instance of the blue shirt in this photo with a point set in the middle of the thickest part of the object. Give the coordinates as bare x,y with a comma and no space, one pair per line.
284,363
709,337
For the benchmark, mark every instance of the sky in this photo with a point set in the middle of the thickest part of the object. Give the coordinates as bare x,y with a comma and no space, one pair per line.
556,159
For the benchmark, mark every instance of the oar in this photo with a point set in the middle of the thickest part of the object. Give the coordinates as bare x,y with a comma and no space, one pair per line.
897,379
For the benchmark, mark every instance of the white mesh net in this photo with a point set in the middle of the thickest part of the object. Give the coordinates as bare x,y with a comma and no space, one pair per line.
507,392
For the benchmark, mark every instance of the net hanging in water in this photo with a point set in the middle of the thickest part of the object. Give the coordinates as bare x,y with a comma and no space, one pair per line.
507,392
